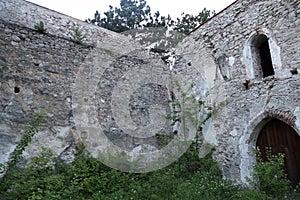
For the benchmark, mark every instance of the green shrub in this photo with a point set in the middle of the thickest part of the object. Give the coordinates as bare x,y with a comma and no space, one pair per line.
86,178
77,36
269,176
40,27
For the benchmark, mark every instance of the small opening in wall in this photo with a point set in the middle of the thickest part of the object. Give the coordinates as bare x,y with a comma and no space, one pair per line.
246,84
17,90
266,60
262,55
294,71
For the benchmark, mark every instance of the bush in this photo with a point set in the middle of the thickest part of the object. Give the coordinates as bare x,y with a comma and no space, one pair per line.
269,176
86,178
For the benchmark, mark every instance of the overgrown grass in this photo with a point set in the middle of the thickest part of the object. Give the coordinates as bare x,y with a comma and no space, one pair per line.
87,178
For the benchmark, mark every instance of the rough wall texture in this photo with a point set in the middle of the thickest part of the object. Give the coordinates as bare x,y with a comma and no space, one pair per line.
38,71
106,91
244,101
50,71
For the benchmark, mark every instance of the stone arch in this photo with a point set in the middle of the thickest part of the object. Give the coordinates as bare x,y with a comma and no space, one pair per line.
281,138
261,55
247,141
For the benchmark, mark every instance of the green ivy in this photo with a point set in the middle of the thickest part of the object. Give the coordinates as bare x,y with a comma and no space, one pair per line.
30,131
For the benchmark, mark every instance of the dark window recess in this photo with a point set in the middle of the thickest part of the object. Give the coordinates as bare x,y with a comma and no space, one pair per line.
17,90
266,60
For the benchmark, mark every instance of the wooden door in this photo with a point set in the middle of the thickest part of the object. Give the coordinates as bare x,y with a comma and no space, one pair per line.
282,138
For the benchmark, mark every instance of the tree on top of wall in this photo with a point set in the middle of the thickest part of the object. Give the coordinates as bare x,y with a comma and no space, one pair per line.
136,14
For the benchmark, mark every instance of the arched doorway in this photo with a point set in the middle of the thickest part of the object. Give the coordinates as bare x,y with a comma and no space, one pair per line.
282,138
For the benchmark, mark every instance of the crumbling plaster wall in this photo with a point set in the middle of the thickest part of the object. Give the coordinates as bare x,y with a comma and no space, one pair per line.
243,103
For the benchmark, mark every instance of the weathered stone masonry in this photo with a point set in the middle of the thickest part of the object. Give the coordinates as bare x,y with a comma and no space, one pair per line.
39,71
246,101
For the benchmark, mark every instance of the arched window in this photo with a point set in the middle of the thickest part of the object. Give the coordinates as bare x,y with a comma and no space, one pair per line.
262,56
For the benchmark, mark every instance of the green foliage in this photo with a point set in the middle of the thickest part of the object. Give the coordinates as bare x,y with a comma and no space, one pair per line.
30,131
40,27
189,107
160,21
190,177
189,22
86,178
136,14
77,36
130,15
269,176
158,50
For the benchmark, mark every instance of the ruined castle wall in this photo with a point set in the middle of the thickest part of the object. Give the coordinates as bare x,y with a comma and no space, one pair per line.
38,71
242,100
109,80
105,91
28,14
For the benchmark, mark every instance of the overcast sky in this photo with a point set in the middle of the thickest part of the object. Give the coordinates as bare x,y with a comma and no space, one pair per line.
83,9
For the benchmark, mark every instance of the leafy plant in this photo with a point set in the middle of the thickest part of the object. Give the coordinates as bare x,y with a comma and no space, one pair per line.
189,107
77,36
190,177
40,27
87,178
269,176
188,22
30,131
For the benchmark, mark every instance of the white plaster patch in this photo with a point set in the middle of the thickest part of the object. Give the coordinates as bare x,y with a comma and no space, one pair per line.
297,115
284,74
234,133
247,59
275,54
231,61
208,133
245,161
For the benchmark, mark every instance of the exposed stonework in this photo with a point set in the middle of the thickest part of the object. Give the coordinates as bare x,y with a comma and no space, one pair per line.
106,92
38,71
244,100
79,84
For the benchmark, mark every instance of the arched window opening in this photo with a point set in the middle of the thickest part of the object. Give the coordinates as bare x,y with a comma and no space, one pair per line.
262,56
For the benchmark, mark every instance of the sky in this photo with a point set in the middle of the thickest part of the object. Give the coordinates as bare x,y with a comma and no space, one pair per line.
83,9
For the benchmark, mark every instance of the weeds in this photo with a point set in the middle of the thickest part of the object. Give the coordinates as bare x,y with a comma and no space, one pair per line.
40,27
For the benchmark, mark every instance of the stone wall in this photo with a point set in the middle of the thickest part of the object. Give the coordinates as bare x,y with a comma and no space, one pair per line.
243,102
108,91
38,71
